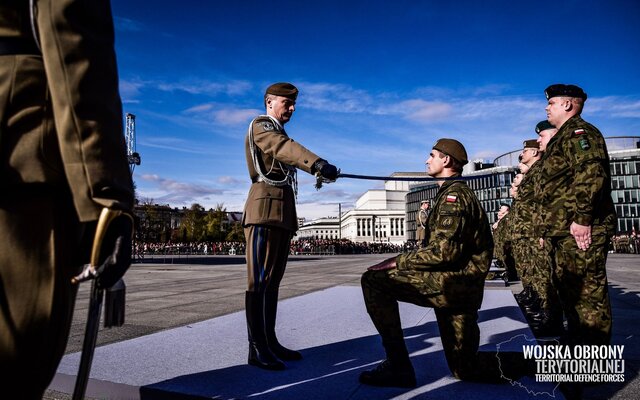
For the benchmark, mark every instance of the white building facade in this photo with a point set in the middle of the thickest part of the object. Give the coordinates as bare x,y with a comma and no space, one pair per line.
379,216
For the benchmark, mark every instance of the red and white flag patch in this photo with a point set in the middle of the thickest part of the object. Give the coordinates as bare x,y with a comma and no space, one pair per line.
579,131
451,198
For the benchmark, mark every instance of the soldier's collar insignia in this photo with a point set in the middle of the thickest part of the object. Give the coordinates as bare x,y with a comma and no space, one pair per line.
451,198
268,126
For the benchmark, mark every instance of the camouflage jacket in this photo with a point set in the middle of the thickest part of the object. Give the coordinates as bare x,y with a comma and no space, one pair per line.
454,262
524,207
502,237
574,184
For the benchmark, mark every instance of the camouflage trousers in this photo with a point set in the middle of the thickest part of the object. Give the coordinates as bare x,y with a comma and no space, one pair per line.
459,329
581,280
534,267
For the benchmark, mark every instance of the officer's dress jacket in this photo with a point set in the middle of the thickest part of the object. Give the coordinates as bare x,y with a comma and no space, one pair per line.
61,112
269,204
452,266
574,184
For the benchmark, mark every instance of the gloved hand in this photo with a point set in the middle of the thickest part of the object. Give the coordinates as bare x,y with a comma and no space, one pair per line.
115,251
326,170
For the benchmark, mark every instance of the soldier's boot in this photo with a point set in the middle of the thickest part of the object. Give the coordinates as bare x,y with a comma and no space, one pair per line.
270,311
395,371
547,323
525,295
259,353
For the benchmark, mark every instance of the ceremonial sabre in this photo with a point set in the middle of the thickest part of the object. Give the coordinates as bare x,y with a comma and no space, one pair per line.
91,272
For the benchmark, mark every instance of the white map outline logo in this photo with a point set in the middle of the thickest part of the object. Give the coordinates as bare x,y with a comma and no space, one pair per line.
518,383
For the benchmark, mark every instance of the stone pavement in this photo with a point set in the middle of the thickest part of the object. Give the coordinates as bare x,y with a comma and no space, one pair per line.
185,336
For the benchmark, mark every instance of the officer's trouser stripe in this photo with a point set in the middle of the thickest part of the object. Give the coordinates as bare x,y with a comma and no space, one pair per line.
260,240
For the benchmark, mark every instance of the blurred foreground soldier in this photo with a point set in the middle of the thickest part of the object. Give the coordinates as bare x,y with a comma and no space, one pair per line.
577,215
421,223
270,218
63,160
447,274
539,299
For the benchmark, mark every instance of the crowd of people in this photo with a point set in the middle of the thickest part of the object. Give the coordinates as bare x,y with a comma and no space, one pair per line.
297,247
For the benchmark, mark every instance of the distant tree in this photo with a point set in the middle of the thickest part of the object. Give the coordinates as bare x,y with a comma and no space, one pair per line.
236,233
194,223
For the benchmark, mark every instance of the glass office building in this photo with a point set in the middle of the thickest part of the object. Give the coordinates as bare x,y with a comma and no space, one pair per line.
494,180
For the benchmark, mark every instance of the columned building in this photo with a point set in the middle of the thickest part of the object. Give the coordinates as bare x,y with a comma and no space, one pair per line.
378,216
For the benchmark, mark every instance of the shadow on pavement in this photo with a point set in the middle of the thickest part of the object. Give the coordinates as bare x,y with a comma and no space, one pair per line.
331,372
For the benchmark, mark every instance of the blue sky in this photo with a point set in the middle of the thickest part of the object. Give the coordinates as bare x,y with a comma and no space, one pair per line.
380,82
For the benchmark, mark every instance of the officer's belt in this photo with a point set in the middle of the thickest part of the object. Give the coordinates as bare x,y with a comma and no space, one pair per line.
18,45
259,179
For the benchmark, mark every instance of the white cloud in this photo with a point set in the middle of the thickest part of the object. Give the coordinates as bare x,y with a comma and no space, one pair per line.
122,24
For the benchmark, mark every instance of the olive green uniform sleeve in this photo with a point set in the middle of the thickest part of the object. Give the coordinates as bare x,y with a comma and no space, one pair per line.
444,244
588,159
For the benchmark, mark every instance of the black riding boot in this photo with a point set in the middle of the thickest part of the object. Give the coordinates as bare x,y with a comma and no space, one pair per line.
259,353
270,311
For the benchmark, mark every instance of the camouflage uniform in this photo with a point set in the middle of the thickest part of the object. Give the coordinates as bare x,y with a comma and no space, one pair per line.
447,274
502,249
533,263
575,185
421,225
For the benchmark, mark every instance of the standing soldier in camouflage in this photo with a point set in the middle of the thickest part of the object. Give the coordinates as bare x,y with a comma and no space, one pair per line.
576,215
270,219
538,299
421,223
63,160
502,250
447,274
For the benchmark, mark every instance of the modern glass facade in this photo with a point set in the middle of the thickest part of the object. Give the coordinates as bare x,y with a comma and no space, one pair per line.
493,190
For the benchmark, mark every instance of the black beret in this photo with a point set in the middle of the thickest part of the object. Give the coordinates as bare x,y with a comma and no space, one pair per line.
563,90
531,144
283,89
543,126
452,148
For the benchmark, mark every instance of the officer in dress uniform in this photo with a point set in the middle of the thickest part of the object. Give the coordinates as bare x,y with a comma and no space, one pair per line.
270,219
576,215
63,159
448,274
421,222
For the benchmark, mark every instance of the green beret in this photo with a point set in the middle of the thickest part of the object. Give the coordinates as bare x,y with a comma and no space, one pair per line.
543,126
283,89
531,144
562,90
452,148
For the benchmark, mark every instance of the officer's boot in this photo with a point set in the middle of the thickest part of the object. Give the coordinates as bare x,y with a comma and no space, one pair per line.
270,311
259,353
395,371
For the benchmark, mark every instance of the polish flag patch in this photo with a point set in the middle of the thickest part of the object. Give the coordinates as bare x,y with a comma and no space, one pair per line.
579,131
451,198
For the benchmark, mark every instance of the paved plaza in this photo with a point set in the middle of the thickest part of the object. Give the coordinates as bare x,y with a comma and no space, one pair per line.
185,336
